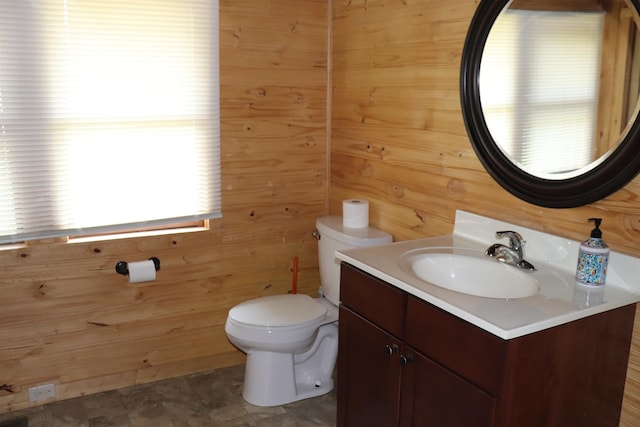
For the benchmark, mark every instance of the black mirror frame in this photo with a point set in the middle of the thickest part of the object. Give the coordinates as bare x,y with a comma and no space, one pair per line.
617,170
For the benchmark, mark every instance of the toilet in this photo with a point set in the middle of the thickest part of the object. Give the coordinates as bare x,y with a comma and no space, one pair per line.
291,340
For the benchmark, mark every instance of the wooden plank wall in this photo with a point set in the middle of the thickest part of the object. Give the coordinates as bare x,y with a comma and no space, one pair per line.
67,318
398,138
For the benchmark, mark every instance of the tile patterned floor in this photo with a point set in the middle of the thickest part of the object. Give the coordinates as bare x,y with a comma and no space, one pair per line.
206,399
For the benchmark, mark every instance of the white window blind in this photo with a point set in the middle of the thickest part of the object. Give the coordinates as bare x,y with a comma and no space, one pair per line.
539,85
109,115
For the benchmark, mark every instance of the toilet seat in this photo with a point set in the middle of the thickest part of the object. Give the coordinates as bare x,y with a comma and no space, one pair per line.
278,311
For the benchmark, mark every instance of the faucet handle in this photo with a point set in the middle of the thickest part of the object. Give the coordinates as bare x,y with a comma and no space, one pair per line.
515,239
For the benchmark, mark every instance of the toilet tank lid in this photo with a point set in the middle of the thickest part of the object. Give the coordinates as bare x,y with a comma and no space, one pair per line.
356,237
278,311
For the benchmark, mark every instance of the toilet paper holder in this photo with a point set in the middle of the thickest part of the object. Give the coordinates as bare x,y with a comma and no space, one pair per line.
123,268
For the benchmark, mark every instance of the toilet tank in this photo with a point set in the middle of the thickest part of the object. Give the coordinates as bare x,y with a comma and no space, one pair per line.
332,237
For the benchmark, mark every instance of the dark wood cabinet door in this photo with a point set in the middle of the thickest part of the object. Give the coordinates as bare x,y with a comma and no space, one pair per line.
433,396
368,374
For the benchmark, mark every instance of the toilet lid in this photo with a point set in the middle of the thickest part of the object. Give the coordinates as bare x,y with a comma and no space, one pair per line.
278,311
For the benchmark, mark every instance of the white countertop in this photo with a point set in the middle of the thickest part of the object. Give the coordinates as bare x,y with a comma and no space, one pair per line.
559,301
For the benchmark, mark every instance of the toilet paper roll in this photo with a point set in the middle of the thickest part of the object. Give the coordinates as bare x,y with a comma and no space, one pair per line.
142,271
355,213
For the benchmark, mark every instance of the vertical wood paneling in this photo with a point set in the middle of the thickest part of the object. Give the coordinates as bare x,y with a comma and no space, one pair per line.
398,138
67,318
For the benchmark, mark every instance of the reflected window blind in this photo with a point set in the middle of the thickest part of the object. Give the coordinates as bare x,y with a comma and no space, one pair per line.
539,84
109,115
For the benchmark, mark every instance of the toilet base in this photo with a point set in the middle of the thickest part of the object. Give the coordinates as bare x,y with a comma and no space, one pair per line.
273,379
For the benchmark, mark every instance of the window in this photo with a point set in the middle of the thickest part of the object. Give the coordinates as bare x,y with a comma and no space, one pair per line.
109,115
539,87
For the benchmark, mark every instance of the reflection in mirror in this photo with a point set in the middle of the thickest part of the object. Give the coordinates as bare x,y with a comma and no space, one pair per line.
615,148
559,87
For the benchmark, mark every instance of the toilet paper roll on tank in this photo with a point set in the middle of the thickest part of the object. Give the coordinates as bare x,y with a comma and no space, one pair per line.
355,213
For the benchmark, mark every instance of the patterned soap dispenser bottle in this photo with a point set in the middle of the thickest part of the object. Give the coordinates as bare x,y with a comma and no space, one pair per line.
593,258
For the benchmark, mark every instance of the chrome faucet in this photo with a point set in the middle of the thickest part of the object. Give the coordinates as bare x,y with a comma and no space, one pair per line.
512,254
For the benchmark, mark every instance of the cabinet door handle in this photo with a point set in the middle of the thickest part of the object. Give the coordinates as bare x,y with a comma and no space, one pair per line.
391,349
404,360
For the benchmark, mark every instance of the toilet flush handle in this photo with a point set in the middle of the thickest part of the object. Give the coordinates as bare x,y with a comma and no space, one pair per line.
316,234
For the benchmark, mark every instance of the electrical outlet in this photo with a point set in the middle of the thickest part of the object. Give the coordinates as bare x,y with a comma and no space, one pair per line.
42,392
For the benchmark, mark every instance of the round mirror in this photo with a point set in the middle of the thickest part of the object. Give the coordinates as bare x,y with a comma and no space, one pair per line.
549,93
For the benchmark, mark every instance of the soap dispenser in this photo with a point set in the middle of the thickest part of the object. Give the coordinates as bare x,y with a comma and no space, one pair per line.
593,258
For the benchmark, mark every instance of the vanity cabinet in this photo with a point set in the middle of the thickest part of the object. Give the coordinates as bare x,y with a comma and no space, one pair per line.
404,362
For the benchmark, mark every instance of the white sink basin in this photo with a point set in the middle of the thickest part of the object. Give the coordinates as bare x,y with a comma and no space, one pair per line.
469,273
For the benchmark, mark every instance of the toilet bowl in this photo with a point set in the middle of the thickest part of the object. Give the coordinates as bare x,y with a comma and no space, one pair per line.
291,350
291,340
